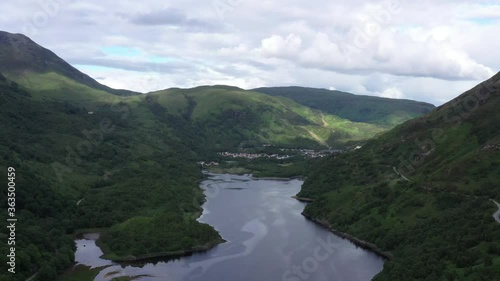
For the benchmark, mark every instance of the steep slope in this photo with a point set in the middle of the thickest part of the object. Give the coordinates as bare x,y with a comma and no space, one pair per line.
127,178
23,59
222,115
225,117
130,161
366,109
422,191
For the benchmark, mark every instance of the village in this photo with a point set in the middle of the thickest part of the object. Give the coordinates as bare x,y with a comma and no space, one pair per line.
286,154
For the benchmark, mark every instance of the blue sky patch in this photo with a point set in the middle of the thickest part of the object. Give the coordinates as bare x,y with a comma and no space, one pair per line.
87,67
121,51
484,21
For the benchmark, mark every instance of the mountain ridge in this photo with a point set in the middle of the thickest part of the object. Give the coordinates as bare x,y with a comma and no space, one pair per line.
358,108
19,55
422,191
141,171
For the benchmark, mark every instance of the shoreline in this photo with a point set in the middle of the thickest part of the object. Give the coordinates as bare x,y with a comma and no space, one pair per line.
169,255
250,174
358,242
303,199
95,233
278,178
95,236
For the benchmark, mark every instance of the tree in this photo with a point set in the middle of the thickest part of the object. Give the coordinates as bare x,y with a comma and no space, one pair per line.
47,272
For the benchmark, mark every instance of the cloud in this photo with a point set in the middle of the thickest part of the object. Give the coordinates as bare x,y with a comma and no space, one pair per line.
390,52
174,18
163,17
392,93
281,47
422,50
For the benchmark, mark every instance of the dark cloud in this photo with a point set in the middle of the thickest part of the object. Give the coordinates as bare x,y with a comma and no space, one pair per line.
177,19
164,17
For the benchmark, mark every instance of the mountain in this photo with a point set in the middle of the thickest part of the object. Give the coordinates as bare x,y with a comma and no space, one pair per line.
228,114
21,58
222,117
366,109
423,191
87,156
76,170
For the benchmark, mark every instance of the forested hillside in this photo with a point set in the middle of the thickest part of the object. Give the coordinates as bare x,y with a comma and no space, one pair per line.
423,191
124,174
367,109
120,163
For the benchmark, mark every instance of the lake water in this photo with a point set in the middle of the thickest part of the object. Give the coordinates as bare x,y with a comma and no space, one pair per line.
267,240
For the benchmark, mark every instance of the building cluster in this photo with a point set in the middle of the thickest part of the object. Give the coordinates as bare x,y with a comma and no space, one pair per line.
253,155
313,153
309,153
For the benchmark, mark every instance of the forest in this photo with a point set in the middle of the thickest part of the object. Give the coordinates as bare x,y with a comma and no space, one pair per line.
130,177
422,191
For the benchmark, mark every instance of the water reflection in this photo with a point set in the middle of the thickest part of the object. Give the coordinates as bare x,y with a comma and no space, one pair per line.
267,239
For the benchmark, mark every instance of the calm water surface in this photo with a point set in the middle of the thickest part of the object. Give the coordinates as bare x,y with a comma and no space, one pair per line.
267,240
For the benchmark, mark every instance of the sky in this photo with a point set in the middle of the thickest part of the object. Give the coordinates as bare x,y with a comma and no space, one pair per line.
422,50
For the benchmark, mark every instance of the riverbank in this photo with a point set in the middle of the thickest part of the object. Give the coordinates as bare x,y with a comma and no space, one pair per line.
360,243
250,238
251,175
269,169
303,199
95,235
80,272
279,178
167,255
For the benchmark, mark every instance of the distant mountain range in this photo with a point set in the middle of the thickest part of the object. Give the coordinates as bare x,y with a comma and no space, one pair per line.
366,109
248,117
129,159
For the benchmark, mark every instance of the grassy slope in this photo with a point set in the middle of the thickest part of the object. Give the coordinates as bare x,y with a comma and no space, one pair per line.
227,116
143,172
140,172
366,109
439,224
157,139
222,116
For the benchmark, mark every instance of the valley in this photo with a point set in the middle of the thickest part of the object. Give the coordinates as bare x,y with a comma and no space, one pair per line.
257,233
405,178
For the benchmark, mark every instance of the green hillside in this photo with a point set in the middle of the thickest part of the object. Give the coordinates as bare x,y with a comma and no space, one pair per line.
221,117
422,191
217,117
20,57
367,109
214,117
87,156
127,178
